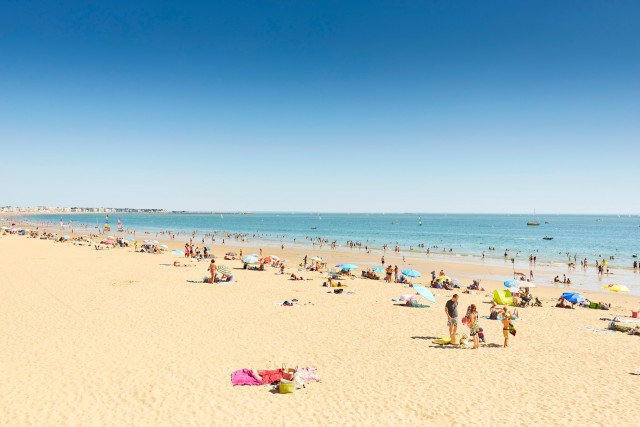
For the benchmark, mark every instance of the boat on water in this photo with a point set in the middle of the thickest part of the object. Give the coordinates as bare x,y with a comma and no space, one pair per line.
534,222
314,228
547,238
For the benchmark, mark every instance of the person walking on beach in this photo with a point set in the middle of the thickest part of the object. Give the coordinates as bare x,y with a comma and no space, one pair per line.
382,261
395,273
451,309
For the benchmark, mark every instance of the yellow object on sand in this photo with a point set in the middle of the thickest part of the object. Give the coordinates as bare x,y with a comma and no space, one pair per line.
442,341
503,297
616,288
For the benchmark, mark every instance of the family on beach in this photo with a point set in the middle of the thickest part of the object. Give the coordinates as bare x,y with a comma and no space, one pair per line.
471,321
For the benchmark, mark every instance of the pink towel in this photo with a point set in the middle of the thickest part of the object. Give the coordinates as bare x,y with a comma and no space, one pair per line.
309,374
245,377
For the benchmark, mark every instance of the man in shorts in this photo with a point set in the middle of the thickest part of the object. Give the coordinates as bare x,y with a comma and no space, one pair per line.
451,309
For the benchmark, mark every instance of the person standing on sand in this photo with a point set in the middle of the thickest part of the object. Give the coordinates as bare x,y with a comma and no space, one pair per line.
472,322
395,273
451,309
389,273
382,261
506,326
212,269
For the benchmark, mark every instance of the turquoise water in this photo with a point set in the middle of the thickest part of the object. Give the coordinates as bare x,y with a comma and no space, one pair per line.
585,236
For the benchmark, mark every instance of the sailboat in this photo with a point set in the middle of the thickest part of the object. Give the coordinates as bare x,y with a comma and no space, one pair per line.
534,222
106,227
120,227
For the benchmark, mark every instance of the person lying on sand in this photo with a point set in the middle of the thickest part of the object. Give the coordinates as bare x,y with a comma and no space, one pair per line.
294,277
179,264
561,304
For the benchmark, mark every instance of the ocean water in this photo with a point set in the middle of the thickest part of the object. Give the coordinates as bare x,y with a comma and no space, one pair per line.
586,236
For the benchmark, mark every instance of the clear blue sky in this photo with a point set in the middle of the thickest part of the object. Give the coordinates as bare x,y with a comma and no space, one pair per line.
432,106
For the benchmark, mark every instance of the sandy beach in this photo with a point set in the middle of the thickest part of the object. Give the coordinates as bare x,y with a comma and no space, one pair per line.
121,338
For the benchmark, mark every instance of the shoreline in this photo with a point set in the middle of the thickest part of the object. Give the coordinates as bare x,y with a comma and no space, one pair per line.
491,269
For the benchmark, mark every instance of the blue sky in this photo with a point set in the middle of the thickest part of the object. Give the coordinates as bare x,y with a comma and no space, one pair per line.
431,106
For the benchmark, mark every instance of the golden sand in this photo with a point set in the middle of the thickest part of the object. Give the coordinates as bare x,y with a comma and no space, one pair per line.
120,338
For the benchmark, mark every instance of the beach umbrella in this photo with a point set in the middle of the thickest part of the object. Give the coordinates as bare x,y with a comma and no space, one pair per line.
223,269
511,283
164,247
616,288
443,278
65,237
250,259
425,293
378,270
411,273
573,297
255,255
316,258
347,267
129,239
266,259
179,253
456,282
275,257
207,248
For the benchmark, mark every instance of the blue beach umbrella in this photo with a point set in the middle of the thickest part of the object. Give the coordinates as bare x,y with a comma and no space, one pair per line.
411,273
511,283
425,293
378,270
573,297
177,253
347,267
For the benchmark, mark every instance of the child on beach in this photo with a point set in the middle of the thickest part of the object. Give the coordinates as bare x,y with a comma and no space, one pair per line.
507,327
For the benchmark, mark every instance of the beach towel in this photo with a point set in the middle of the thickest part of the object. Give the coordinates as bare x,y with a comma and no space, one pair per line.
601,331
499,318
272,376
245,377
309,374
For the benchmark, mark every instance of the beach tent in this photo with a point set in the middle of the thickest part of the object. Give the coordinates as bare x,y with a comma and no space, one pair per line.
503,297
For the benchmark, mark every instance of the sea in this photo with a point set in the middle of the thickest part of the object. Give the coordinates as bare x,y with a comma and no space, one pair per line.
578,236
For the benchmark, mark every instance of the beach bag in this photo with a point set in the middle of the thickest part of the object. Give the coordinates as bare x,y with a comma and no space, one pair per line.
289,373
512,329
286,387
455,339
